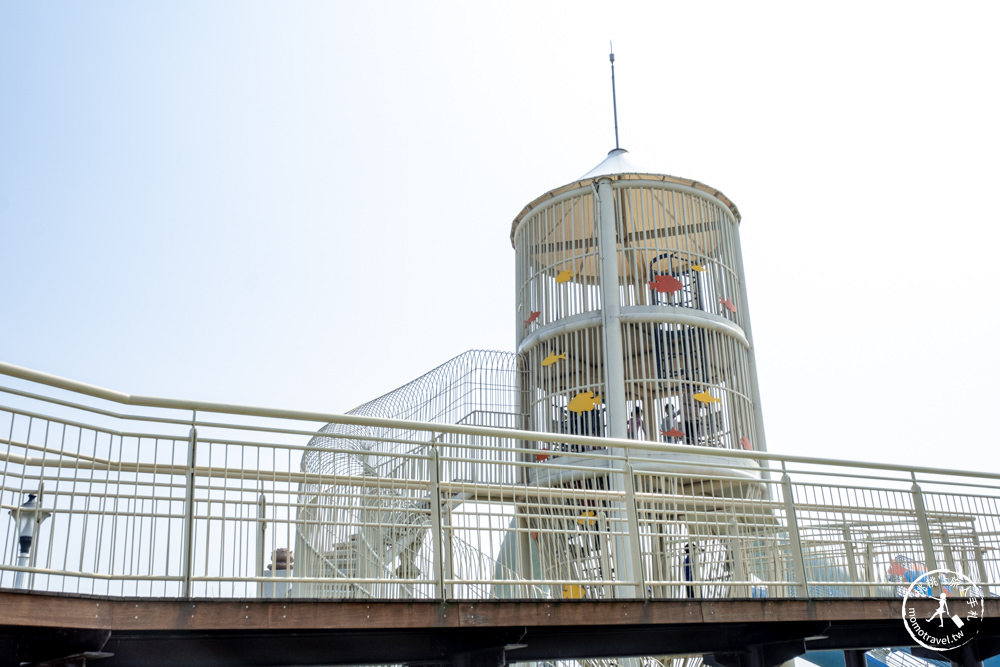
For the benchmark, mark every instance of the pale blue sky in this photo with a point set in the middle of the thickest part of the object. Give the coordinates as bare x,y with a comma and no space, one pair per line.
305,205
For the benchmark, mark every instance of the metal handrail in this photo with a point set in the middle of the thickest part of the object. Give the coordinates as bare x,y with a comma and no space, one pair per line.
184,506
457,429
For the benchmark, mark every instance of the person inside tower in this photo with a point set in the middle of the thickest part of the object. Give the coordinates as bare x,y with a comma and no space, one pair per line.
635,426
668,425
691,415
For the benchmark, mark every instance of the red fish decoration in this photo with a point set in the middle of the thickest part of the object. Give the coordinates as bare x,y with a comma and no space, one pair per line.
531,318
673,433
665,283
745,443
728,304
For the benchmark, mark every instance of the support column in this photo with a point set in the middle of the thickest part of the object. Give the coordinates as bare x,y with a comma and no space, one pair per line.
855,658
627,553
614,356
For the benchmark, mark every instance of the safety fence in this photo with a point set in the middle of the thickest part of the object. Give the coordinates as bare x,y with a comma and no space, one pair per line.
120,495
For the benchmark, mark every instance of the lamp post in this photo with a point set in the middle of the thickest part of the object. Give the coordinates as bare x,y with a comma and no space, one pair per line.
25,518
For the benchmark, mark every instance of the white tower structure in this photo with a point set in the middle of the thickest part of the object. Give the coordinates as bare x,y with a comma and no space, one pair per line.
630,284
632,322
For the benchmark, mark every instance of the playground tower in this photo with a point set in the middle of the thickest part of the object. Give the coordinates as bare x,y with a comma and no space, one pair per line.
632,322
630,290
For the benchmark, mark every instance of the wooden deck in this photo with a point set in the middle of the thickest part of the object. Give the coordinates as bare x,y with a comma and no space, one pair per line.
37,628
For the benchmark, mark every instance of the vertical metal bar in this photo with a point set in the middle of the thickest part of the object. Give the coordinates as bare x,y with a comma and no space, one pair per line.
524,567
614,362
852,566
760,444
436,532
635,547
261,532
794,538
36,530
602,525
189,513
870,566
981,563
614,375
925,530
695,562
739,567
949,556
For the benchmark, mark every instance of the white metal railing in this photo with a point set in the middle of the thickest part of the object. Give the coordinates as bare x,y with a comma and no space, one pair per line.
140,496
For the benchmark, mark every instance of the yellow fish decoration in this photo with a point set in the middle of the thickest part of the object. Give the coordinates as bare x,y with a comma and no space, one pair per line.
553,358
564,276
584,402
705,397
587,517
697,267
573,591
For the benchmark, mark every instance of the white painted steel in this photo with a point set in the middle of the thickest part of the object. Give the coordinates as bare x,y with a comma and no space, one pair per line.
614,367
626,550
630,296
120,500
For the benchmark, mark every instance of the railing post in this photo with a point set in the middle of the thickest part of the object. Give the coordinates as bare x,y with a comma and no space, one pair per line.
189,513
852,566
794,538
261,539
739,567
949,556
981,563
924,526
436,528
694,562
635,546
870,566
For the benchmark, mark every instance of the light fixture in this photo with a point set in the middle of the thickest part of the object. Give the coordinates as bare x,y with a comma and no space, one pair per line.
25,517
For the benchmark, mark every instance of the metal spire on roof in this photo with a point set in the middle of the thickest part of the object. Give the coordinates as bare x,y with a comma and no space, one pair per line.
614,100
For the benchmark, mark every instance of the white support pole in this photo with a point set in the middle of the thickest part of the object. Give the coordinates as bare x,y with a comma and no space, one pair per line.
261,533
794,538
758,414
925,534
627,554
739,572
614,360
189,513
852,565
436,520
981,564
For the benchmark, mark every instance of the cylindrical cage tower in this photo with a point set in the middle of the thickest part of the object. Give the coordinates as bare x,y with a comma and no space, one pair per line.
632,322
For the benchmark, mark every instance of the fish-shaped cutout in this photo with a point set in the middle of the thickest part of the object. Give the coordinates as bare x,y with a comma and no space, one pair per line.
666,283
553,358
697,267
745,443
705,397
564,276
531,318
583,402
673,433
728,304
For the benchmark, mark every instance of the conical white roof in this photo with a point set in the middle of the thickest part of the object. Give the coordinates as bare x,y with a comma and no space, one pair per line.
617,162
